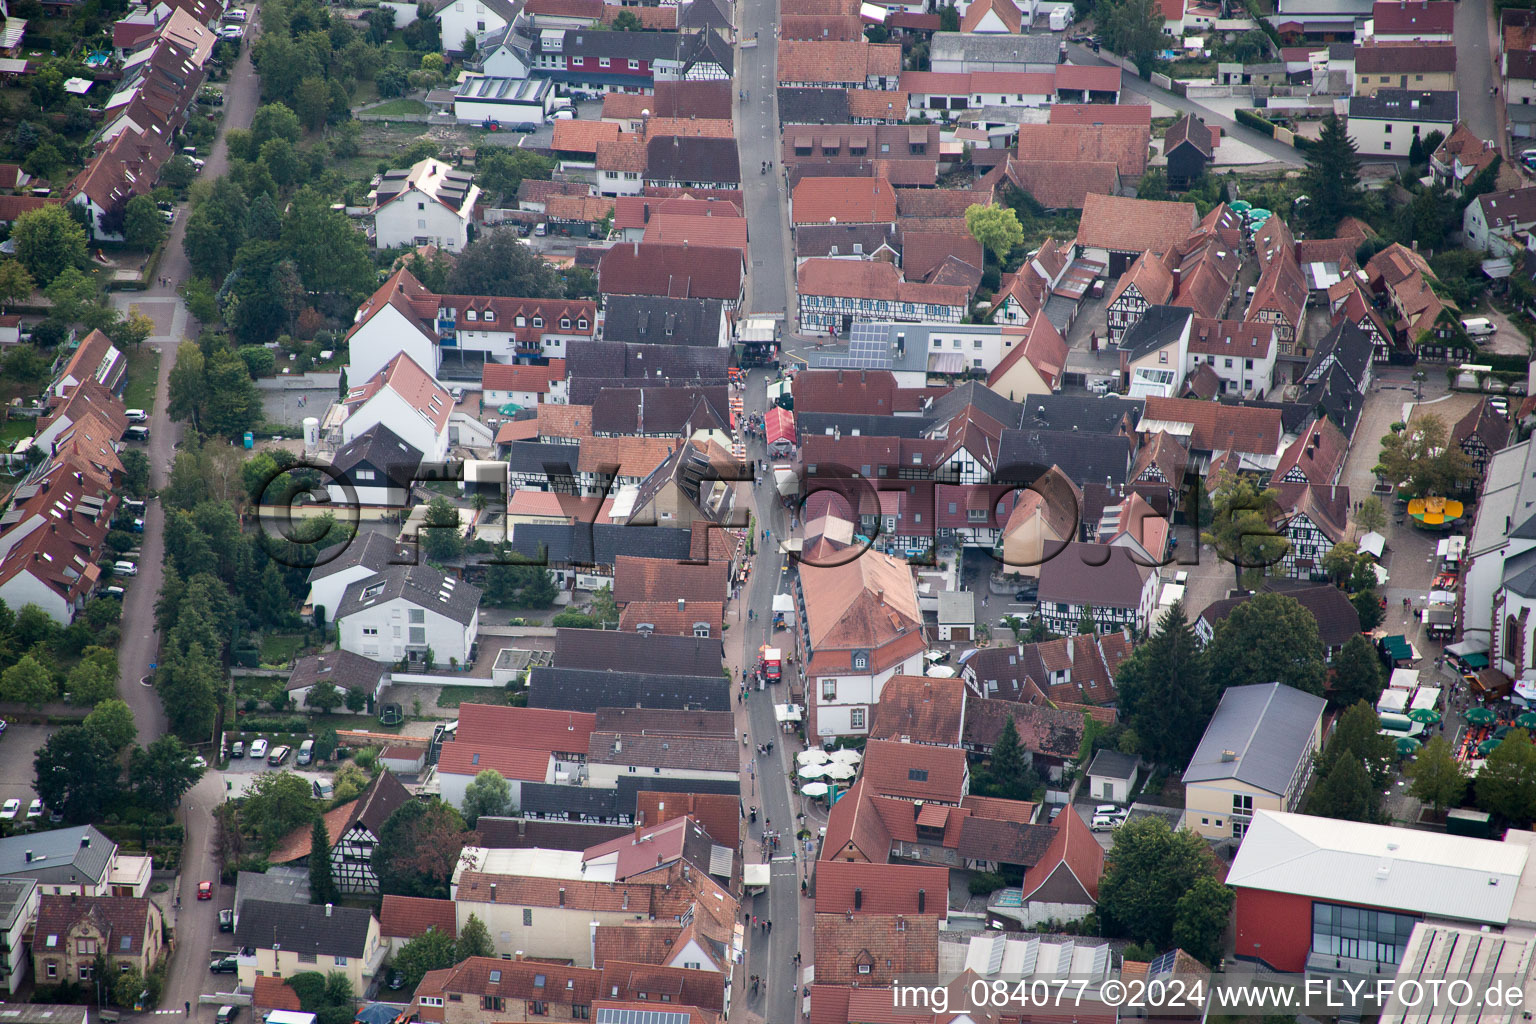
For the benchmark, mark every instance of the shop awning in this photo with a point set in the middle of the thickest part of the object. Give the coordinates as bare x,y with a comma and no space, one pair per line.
1478,660
779,425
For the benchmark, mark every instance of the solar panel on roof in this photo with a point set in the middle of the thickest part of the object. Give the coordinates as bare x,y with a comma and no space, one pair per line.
615,1015
1163,964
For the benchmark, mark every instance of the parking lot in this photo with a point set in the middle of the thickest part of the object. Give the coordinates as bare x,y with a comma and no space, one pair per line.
17,747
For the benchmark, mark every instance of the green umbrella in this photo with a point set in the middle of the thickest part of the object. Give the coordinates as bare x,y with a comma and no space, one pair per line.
1487,747
1429,716
1407,746
1527,720
1240,205
1482,716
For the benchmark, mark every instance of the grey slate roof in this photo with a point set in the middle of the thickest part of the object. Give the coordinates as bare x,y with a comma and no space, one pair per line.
1267,727
278,884
598,544
1337,397
654,363
379,448
1085,458
1158,326
808,423
498,833
14,895
690,158
813,106
1111,764
580,689
993,49
1349,346
575,803
539,457
372,549
814,240
303,928
58,855
1102,415
974,394
1405,105
1337,619
657,320
612,649
343,669
661,411
422,585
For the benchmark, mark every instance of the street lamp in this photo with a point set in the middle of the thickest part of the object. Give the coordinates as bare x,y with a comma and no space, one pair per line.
1418,385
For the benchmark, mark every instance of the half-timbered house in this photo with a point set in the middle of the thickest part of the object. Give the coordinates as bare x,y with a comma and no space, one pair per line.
354,830
1148,282
1480,433
1313,519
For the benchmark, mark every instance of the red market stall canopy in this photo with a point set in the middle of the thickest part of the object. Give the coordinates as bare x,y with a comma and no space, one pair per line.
779,425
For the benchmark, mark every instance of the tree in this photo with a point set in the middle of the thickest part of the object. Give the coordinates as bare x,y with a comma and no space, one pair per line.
1134,29
419,846
132,330
997,228
15,283
498,263
1439,779
322,885
1506,785
188,386
143,226
1268,638
1419,462
1346,793
331,256
1368,607
1200,919
432,950
949,18
277,803
94,678
1165,691
274,121
440,536
1331,178
1356,674
27,682
350,780
489,795
1146,872
1241,527
163,772
324,696
48,240
76,774
603,607
626,21
1370,516
474,940
112,720
357,701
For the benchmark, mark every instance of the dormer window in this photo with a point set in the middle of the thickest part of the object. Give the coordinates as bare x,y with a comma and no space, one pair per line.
565,323
490,316
469,315
538,321
521,321
581,324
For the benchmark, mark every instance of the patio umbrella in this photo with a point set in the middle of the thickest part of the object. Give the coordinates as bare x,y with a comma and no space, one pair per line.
1527,720
815,789
813,771
847,755
837,770
1487,747
1429,716
1482,716
1407,746
815,755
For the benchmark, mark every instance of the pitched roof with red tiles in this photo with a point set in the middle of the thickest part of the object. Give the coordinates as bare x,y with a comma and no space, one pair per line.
867,603
1326,507
1042,346
833,61
521,377
1121,224
675,271
687,127
849,200
838,27
415,386
1216,427
872,279
564,421
625,153
877,104
582,136
125,921
685,229
1007,12
1124,145
666,618
517,742
1375,57
407,917
1150,274
1075,855
1282,288
1139,114
920,709
663,17
875,949
274,994
1318,454
638,942
939,202
1485,423
1042,730
864,392
842,887
633,212
914,771
663,579
625,456
1059,185
718,813
923,251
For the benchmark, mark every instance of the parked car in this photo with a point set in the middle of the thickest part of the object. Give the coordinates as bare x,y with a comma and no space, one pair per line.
258,748
205,890
237,750
11,809
34,809
139,433
226,920
125,569
224,965
137,416
561,115
226,1014
279,755
1105,823
119,593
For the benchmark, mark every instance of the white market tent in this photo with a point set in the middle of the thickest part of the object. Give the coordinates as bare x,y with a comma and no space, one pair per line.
783,603
1404,679
1426,697
1373,544
1394,701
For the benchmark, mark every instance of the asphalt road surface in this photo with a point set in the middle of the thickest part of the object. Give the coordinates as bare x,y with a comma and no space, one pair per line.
757,140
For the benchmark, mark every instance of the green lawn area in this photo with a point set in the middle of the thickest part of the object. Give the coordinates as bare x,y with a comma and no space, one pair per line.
12,431
398,108
280,648
143,375
453,696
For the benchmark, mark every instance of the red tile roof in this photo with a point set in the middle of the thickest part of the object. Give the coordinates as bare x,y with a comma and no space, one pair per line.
914,771
1413,17
686,229
875,949
676,271
274,994
518,742
849,200
521,377
718,813
1120,224
1139,114
870,279
1062,185
582,136
920,709
1075,853
407,917
1124,145
663,579
1217,427
842,887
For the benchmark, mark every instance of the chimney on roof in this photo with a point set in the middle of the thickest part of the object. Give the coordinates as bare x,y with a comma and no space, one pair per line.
29,856
493,892
917,808
858,898
922,900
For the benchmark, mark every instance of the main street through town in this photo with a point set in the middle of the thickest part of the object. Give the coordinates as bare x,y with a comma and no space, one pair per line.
194,924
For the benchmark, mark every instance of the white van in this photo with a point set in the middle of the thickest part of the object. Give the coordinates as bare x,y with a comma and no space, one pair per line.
306,752
1478,326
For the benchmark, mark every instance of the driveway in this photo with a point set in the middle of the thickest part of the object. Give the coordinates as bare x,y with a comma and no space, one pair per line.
17,746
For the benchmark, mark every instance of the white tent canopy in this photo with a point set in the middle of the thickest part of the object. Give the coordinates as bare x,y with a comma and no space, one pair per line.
838,770
1373,544
815,789
755,876
813,771
788,712
783,603
846,755
812,755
